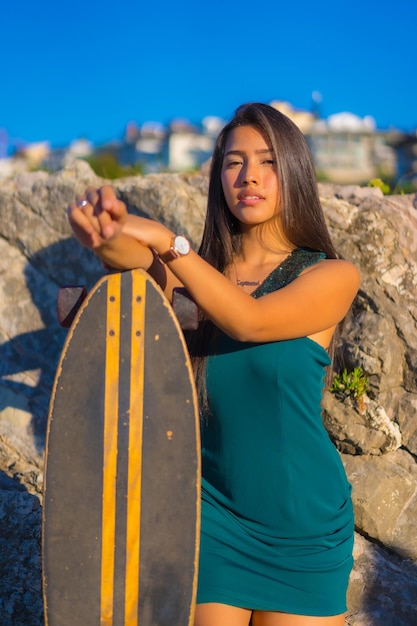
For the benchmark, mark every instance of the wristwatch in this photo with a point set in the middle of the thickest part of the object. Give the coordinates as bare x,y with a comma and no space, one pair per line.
180,246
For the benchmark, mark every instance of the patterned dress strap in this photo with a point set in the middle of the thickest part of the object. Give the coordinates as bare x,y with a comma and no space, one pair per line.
288,270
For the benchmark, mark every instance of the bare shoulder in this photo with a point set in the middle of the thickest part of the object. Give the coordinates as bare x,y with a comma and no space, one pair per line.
336,269
337,279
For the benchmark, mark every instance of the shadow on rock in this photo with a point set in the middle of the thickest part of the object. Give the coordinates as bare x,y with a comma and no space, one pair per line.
20,560
28,360
383,587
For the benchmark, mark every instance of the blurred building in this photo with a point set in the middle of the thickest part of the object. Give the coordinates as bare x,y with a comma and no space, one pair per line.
181,146
303,119
35,153
405,146
188,147
60,158
348,149
143,146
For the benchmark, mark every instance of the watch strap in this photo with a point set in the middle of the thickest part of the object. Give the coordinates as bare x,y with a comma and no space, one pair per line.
170,254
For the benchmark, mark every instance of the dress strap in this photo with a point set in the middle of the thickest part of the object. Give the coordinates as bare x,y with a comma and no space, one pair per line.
288,270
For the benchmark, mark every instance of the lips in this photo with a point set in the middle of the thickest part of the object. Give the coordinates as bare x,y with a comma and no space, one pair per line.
248,195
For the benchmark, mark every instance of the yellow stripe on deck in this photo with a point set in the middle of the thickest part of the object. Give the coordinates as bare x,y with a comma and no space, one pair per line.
111,414
135,450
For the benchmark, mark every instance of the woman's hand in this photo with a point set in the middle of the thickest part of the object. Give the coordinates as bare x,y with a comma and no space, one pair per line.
98,217
101,222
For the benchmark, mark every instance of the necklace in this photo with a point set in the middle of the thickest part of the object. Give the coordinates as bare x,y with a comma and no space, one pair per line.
245,283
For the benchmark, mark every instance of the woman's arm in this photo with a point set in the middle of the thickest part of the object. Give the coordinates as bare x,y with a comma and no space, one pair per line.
316,301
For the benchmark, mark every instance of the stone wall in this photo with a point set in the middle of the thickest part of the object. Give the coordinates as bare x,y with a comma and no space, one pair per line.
377,438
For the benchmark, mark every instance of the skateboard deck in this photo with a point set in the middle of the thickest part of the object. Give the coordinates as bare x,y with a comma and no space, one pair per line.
122,480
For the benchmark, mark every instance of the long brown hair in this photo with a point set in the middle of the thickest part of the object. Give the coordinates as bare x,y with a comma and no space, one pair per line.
301,216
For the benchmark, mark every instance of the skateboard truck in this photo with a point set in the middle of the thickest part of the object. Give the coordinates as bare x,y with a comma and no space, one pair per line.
70,298
68,302
185,308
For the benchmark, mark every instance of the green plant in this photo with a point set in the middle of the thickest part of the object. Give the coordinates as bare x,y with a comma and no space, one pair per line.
377,182
106,165
350,384
321,176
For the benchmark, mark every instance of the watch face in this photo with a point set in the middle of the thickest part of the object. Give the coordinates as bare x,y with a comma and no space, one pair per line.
182,244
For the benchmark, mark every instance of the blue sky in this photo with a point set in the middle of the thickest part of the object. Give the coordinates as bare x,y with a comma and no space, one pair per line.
86,68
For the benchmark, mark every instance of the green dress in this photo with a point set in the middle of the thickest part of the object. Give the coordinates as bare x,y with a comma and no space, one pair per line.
277,519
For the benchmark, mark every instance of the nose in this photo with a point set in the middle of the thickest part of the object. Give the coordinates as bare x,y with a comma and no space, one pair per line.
250,174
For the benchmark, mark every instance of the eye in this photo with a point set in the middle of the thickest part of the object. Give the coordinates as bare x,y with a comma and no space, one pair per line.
233,163
268,161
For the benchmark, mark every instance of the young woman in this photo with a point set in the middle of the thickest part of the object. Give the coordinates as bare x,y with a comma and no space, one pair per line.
277,523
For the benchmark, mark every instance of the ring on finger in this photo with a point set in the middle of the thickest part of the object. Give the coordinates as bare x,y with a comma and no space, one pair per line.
82,203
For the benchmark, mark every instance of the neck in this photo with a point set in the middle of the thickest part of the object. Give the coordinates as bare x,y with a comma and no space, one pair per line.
261,255
261,246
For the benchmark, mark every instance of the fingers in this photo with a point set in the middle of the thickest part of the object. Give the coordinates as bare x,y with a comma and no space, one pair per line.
110,203
107,197
97,216
108,228
93,198
104,203
82,225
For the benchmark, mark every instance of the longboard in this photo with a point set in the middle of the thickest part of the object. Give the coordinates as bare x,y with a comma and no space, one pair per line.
122,478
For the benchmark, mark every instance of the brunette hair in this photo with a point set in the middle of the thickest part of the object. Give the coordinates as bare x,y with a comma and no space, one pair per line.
301,216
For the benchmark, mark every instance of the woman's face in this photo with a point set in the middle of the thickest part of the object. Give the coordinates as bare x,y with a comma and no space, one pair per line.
249,177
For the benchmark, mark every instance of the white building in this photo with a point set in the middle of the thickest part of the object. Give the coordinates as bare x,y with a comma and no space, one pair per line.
187,148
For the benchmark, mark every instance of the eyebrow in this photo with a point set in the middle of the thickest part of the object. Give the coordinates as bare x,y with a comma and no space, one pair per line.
239,152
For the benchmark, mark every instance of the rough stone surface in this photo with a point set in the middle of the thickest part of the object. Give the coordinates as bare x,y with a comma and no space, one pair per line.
376,438
382,589
385,499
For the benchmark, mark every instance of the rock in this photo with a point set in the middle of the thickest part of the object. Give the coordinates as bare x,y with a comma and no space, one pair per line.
377,440
382,589
385,499
20,562
365,431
